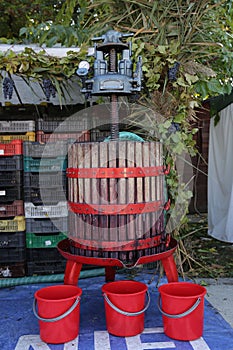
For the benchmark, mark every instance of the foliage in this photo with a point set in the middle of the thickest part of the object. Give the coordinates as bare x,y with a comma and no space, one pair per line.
222,32
16,14
72,26
167,33
30,63
202,256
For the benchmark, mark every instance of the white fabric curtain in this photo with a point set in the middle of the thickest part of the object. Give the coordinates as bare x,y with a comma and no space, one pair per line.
220,177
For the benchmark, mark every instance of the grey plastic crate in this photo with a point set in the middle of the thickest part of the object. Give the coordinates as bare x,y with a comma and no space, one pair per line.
44,196
12,240
47,225
15,254
45,180
17,126
38,150
63,125
9,194
11,163
43,267
11,178
43,254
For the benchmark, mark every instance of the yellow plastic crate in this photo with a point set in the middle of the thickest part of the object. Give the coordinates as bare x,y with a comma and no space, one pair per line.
28,136
16,224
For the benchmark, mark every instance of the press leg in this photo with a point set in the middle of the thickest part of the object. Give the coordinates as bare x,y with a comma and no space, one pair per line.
170,269
109,274
72,272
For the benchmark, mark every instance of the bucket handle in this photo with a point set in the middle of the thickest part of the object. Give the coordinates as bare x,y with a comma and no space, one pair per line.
125,313
58,318
183,314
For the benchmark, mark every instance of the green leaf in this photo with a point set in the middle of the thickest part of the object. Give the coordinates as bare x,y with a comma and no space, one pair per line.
40,69
52,41
59,91
23,31
180,81
162,49
167,124
179,118
175,137
24,67
191,79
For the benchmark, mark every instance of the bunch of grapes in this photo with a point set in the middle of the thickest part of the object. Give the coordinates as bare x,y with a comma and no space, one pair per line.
172,72
8,88
49,89
174,127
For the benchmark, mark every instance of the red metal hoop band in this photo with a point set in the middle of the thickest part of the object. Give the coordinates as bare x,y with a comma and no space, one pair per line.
116,209
115,173
137,244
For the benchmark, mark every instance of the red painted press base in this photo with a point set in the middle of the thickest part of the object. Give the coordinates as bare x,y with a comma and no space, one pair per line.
75,262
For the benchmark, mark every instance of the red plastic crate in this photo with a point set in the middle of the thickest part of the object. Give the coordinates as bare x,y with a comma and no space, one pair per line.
81,136
10,210
13,148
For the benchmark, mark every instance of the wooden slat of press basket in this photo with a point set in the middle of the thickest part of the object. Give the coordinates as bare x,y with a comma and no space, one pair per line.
115,228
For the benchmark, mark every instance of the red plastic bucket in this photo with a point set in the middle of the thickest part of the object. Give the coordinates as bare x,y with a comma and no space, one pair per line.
125,307
58,313
182,310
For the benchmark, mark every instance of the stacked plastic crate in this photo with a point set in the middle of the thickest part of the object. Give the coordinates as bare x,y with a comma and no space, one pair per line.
45,190
12,219
55,129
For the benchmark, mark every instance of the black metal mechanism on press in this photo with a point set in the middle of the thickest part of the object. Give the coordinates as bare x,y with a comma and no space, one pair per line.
113,73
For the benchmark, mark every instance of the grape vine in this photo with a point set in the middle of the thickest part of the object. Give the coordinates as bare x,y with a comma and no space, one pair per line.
49,89
8,88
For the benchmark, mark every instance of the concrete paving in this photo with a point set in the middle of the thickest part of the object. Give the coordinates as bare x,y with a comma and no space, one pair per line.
220,295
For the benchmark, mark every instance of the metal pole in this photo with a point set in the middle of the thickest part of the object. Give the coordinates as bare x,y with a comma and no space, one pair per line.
114,98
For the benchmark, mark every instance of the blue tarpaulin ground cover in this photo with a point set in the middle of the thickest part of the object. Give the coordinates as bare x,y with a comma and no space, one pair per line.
20,329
